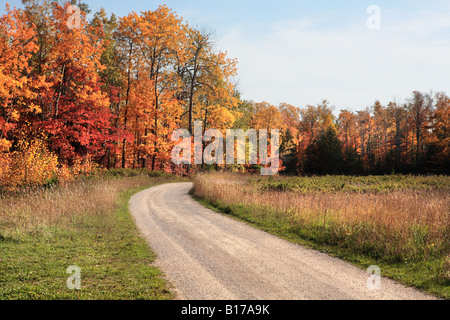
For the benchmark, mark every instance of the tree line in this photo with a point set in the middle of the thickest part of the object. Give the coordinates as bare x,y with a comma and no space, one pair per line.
109,91
400,137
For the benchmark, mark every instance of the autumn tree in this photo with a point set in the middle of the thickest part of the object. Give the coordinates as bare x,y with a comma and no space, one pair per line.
17,88
383,125
440,141
313,121
208,90
112,90
348,135
290,138
112,80
69,105
149,44
397,115
111,77
194,67
420,109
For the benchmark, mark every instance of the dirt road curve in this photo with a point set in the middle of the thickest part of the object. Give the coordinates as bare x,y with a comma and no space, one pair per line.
207,256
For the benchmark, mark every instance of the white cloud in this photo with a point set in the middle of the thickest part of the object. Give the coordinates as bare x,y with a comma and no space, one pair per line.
297,63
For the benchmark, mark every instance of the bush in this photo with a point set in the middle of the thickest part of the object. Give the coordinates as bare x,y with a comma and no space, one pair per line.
32,165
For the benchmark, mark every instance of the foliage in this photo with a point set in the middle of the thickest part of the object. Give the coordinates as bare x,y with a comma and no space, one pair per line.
109,93
324,155
31,165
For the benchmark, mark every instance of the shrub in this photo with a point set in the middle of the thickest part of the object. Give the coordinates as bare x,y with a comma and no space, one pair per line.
32,165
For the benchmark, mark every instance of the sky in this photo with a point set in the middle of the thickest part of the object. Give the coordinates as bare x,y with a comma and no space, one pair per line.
302,52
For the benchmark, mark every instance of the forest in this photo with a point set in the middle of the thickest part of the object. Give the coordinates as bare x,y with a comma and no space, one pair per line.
79,95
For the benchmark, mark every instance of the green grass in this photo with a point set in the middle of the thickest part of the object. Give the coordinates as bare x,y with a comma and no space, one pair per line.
355,184
115,261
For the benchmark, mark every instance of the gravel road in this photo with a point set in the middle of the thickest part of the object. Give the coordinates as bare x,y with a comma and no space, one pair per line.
208,256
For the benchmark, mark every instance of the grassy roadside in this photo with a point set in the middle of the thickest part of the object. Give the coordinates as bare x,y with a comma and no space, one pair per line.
100,238
418,274
261,209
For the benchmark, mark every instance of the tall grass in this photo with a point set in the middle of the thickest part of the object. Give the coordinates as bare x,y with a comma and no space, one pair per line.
396,220
40,208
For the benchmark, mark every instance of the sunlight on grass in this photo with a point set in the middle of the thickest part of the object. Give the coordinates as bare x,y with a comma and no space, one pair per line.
401,222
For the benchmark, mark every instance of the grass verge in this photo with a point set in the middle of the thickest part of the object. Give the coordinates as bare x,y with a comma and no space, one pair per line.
115,261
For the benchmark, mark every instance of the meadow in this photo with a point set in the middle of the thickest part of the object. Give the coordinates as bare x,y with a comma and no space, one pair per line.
400,223
86,224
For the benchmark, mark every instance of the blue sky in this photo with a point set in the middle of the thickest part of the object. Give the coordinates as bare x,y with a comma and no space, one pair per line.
301,52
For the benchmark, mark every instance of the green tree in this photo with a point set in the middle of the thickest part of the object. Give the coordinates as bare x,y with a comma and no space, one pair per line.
324,155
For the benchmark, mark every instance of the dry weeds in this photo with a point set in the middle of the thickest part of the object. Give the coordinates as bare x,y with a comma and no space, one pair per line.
408,224
46,208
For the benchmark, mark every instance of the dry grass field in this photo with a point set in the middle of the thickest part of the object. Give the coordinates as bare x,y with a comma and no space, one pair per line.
402,222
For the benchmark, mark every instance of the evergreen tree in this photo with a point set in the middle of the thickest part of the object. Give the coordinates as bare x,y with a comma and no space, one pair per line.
325,155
